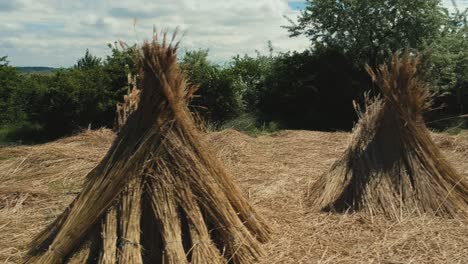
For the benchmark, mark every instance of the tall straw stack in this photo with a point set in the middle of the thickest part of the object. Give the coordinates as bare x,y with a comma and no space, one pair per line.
392,166
159,195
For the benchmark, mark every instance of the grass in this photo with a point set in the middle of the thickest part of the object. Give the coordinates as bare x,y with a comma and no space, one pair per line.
249,124
458,127
65,186
3,158
22,132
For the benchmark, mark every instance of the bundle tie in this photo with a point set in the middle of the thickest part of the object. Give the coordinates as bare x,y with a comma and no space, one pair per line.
124,242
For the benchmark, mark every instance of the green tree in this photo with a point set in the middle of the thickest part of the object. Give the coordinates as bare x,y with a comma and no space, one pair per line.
369,31
9,80
311,90
118,65
445,63
218,99
37,107
250,74
88,61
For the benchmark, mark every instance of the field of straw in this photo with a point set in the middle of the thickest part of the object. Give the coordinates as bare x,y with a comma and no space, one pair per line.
274,171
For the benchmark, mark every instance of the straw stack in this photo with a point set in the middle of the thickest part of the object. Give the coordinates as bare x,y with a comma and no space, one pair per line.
159,195
392,166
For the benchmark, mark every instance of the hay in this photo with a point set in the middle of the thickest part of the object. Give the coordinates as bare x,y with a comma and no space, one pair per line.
109,237
130,103
392,166
198,212
272,171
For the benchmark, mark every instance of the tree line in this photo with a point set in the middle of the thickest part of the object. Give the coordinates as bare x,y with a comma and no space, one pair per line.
313,89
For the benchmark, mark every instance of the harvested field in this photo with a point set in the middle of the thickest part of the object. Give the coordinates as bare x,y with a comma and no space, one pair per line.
274,171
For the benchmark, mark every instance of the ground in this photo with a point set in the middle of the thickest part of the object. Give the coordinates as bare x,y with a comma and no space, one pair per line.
38,182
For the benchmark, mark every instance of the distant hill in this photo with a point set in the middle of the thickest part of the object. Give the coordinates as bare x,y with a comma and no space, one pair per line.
29,70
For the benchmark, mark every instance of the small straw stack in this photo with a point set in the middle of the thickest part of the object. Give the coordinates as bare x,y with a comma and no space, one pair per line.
159,195
392,166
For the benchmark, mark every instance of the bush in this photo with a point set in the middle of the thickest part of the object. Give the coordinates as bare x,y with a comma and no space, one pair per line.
218,98
66,101
445,67
51,106
21,132
250,74
9,80
311,91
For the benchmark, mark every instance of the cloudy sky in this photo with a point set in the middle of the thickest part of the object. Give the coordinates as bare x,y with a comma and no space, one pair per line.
57,32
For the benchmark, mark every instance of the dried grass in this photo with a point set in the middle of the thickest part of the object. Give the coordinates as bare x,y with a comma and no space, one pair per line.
271,171
160,149
392,166
130,103
130,215
108,254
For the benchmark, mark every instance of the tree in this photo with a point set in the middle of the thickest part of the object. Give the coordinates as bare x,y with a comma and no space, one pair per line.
311,90
445,62
9,80
88,61
218,98
118,65
369,31
251,74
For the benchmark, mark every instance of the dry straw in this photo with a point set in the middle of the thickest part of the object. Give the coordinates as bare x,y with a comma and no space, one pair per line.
159,195
392,166
130,103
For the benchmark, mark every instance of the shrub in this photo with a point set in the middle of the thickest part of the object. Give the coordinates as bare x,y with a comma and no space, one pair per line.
66,100
311,91
218,97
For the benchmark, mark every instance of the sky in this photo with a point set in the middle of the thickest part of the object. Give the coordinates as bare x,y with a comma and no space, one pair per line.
56,33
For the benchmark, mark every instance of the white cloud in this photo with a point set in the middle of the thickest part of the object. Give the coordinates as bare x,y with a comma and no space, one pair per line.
56,32
460,4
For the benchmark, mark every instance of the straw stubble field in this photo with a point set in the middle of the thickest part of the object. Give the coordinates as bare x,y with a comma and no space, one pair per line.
38,182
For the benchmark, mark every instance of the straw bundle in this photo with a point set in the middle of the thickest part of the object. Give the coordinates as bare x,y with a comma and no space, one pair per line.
159,195
392,166
109,237
130,103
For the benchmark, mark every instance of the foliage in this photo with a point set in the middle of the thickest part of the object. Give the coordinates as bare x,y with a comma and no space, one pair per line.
68,100
35,70
218,98
251,73
369,31
311,90
88,61
446,62
9,80
23,132
50,106
118,65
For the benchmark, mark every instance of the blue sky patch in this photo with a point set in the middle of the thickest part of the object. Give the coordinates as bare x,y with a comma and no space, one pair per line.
297,5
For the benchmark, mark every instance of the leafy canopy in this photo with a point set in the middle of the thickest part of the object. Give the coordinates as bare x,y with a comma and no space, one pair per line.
369,31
